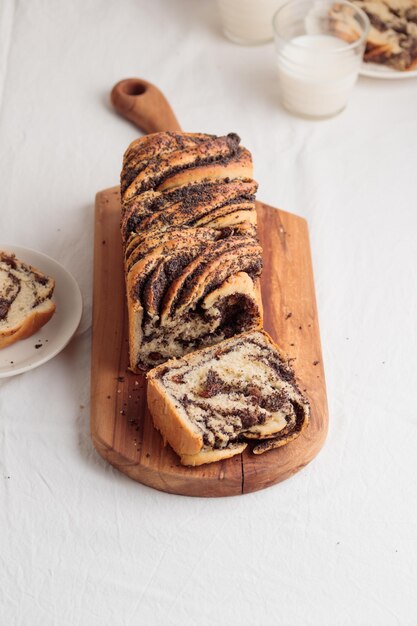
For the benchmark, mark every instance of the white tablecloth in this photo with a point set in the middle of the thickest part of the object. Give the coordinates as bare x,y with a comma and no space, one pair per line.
82,544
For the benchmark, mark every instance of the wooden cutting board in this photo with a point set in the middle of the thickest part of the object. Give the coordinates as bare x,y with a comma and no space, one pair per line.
121,426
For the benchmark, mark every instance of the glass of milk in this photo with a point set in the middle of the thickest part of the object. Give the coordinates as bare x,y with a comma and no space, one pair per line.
319,48
248,21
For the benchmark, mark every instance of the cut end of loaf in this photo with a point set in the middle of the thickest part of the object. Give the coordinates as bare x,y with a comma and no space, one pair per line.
192,259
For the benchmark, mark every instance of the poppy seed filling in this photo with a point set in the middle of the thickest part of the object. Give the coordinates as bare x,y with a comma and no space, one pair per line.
243,391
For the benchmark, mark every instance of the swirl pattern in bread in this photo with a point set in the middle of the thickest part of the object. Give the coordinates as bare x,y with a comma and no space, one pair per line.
392,36
192,259
25,299
209,404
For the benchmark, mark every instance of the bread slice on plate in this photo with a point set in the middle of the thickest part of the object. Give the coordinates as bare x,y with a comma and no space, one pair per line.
25,299
392,38
209,404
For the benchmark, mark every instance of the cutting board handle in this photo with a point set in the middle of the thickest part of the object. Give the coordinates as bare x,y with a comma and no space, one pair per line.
143,104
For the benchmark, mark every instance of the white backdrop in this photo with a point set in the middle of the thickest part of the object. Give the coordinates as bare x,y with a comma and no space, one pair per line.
80,544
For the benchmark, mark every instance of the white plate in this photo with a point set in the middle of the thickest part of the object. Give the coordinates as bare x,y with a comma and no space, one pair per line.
55,335
374,70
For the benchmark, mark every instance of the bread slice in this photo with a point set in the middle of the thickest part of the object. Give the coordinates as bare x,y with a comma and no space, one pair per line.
25,299
208,404
392,38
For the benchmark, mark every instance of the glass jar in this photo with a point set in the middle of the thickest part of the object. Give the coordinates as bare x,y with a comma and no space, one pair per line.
248,21
319,48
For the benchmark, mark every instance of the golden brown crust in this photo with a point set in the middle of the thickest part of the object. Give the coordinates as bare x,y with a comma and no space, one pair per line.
168,421
212,456
173,157
258,291
28,327
240,167
188,225
215,203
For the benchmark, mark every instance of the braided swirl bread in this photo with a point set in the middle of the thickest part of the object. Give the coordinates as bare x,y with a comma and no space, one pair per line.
192,259
25,299
209,404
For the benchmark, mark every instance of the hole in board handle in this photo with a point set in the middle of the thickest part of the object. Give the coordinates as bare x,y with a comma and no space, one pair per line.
134,88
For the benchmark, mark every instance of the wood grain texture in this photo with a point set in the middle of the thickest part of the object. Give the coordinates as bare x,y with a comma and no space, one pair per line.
121,426
143,104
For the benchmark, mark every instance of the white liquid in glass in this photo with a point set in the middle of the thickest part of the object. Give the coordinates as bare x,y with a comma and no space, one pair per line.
316,74
248,21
